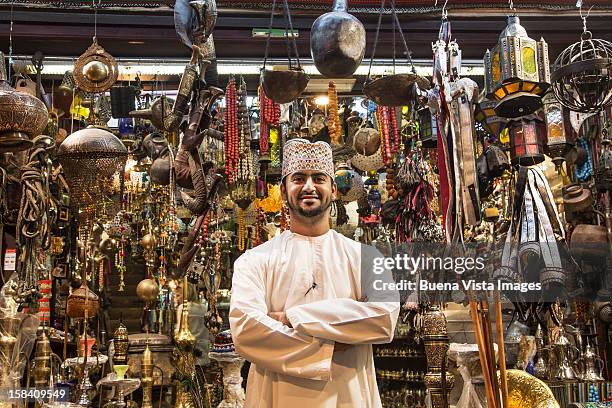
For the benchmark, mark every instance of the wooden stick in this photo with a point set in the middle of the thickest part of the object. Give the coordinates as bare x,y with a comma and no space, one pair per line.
502,353
488,337
481,350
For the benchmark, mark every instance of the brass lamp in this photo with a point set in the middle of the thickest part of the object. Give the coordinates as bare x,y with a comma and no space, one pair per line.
559,143
526,142
428,128
517,71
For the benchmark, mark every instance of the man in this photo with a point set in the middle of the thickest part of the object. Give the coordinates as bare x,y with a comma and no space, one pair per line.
297,309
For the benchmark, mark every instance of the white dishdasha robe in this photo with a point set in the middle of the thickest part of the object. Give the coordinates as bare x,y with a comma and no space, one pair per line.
296,367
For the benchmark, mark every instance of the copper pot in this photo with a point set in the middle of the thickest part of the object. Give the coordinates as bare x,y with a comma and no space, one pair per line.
589,241
284,86
22,116
82,302
576,198
337,42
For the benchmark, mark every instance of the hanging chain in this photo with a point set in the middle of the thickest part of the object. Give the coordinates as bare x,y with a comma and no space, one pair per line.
380,13
586,34
95,7
269,33
408,52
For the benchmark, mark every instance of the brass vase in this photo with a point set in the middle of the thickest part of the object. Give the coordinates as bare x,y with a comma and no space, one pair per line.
22,116
146,377
185,342
42,360
435,338
9,329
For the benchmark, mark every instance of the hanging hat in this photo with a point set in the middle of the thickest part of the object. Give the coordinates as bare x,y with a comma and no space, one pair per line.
300,154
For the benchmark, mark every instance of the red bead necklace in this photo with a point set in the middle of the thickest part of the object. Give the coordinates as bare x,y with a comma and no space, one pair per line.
231,138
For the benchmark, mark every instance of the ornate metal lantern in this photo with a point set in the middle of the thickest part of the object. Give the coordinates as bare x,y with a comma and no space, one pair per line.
22,116
558,143
526,142
516,71
581,78
428,128
89,156
484,113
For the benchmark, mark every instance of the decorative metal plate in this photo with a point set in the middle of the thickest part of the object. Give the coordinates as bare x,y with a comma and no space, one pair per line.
95,53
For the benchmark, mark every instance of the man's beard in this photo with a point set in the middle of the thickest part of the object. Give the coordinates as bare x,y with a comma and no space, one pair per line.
312,212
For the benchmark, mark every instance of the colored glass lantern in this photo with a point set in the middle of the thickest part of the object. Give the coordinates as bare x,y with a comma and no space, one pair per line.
428,128
517,71
484,113
558,141
527,138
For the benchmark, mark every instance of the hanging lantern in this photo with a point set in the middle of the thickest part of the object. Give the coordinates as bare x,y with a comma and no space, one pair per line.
89,156
581,78
558,144
526,142
516,71
428,128
484,112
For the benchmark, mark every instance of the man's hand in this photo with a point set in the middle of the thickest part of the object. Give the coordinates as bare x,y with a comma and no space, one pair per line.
281,317
341,347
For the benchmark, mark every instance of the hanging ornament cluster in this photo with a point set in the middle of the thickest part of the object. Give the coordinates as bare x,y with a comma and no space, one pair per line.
269,117
387,123
333,123
231,131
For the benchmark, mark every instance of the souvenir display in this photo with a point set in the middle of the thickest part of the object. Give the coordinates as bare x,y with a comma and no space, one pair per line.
160,231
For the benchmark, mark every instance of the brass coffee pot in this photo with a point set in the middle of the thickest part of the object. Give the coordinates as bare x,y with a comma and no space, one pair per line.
564,352
586,365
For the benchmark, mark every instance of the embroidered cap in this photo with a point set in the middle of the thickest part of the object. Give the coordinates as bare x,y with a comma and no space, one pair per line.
300,154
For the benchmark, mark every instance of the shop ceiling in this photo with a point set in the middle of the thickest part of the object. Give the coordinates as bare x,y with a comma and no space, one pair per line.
145,29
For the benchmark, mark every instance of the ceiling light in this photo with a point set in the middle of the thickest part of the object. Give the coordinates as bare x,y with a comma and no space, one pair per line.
322,100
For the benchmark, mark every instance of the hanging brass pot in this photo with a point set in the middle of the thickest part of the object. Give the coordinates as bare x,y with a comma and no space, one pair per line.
284,86
22,116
